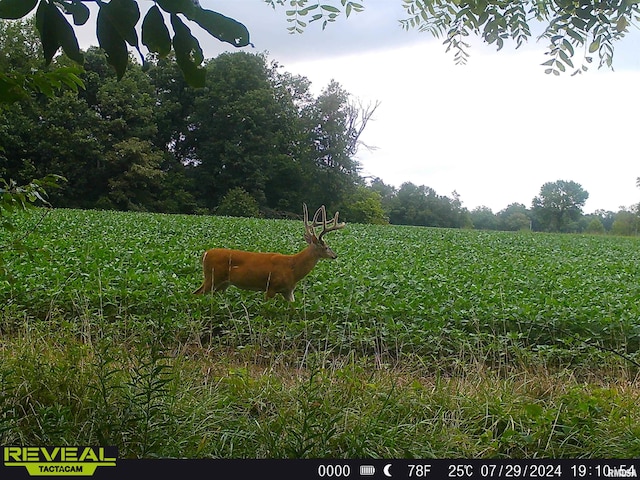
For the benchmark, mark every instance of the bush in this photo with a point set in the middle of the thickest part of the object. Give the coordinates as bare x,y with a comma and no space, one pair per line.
595,227
237,202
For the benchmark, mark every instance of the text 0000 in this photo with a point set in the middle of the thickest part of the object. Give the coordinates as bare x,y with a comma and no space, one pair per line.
334,470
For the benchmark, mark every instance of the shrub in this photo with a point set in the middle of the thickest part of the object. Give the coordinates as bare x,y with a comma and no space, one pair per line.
237,202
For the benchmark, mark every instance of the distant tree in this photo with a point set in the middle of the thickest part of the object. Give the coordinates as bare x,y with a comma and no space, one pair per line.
514,218
243,132
363,206
422,206
333,125
136,180
386,191
606,217
626,223
483,218
558,207
595,227
237,202
410,205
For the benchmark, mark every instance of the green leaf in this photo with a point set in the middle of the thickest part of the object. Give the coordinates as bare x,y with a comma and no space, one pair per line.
14,9
223,28
306,10
188,53
155,34
55,32
67,37
79,11
124,15
330,8
595,45
177,6
69,76
586,12
46,29
566,44
115,28
576,36
112,42
11,90
565,58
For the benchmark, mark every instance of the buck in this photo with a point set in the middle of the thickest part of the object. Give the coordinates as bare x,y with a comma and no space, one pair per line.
269,272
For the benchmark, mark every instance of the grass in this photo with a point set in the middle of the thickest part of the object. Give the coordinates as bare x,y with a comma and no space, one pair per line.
415,342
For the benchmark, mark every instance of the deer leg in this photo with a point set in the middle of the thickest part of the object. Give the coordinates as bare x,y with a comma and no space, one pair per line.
288,296
206,284
270,294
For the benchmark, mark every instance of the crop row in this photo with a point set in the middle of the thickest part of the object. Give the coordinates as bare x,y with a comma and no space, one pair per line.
392,291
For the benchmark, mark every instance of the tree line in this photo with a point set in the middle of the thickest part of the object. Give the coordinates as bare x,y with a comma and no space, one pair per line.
254,141
150,142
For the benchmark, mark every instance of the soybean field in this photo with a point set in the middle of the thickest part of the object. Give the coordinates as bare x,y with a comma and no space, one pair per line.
414,342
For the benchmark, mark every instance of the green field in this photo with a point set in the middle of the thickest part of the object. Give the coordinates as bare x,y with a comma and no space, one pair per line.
415,342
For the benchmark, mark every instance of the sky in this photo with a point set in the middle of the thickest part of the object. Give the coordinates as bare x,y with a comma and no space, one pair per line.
494,130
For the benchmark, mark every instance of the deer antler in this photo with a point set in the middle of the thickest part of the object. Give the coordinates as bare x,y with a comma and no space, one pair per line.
320,220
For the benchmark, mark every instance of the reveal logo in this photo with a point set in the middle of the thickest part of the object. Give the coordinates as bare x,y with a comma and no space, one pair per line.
59,461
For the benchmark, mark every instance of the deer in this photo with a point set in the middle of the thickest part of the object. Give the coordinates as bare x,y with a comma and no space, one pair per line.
272,273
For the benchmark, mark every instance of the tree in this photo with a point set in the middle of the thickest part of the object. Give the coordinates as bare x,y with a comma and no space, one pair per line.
243,132
18,83
116,22
570,27
151,142
559,206
483,218
332,127
595,227
625,223
514,218
363,206
103,139
238,203
20,76
136,179
606,218
422,206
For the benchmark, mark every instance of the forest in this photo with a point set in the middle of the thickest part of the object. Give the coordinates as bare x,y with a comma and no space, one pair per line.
255,141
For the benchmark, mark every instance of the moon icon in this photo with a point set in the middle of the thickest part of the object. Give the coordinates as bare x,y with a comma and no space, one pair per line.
387,469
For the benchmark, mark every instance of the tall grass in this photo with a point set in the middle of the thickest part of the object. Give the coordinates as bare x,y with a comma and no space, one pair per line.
414,343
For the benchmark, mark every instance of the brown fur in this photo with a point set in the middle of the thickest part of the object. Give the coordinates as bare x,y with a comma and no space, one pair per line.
269,272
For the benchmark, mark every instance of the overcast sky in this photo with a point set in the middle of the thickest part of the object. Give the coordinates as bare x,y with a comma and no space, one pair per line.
494,130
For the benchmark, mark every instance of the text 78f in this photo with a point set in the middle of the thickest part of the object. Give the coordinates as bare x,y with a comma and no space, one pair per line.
419,470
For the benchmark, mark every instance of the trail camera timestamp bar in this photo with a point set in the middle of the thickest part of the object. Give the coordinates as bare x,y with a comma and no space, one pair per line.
30,462
482,469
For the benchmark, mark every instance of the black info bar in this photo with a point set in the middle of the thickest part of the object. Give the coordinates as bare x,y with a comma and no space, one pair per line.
236,469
